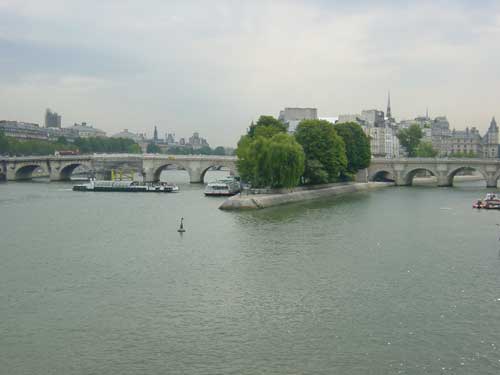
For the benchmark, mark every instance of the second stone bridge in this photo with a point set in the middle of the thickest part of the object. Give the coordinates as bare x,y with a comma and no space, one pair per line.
402,171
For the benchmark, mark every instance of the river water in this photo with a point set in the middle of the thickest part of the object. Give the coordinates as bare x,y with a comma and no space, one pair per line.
396,281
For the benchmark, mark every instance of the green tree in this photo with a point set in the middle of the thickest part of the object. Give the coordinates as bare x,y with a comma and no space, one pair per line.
205,150
410,138
324,151
266,126
219,150
270,162
62,140
425,150
246,158
459,154
134,149
287,159
4,144
153,148
357,146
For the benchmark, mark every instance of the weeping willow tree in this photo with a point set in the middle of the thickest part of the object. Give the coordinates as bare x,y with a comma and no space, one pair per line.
270,161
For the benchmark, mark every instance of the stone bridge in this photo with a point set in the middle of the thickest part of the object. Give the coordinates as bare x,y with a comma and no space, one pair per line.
60,168
402,171
150,166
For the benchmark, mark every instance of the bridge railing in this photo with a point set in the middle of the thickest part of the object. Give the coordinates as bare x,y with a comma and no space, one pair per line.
116,156
436,160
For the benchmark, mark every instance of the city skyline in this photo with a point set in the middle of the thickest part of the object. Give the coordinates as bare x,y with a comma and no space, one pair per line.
215,68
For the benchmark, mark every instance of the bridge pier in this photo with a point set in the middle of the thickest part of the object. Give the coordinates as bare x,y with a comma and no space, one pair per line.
10,174
361,175
55,175
401,180
195,176
491,182
444,181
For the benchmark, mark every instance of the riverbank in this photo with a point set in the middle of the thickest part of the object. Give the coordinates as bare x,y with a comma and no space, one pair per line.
259,201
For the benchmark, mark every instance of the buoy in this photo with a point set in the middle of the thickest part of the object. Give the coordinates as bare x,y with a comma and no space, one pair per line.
181,228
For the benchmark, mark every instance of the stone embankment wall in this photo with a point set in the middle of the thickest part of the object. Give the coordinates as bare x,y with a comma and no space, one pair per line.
258,201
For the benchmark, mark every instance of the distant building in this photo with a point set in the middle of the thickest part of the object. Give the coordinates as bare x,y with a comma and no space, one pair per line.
383,141
373,117
68,133
490,141
52,119
129,135
87,131
381,130
139,138
23,130
292,116
170,139
352,118
470,141
196,142
448,142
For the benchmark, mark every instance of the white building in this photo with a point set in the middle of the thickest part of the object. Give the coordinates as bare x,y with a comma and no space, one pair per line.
87,131
292,116
129,135
383,141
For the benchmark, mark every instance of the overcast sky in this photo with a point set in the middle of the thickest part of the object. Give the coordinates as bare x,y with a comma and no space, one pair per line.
214,66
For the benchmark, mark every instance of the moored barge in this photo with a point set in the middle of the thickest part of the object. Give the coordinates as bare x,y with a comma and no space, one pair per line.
127,186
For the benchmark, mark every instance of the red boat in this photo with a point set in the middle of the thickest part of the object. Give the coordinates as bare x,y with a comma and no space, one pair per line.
490,202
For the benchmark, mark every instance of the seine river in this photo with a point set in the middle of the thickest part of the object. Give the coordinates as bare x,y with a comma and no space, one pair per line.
396,281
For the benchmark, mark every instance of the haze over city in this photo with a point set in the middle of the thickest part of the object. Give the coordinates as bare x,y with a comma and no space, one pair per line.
213,67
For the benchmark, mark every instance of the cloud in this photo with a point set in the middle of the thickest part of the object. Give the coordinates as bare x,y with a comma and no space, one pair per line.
215,66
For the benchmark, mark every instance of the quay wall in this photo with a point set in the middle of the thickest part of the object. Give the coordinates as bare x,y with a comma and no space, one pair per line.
259,201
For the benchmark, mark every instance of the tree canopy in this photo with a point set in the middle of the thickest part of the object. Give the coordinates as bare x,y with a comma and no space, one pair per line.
410,138
268,156
219,150
266,126
153,148
324,151
425,150
469,154
13,146
357,146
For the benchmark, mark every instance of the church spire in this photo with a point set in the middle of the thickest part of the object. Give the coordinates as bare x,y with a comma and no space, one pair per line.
155,135
389,114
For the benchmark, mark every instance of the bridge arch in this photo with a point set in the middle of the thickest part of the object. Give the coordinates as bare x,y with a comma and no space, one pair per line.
232,171
25,172
410,174
382,175
157,170
67,170
453,172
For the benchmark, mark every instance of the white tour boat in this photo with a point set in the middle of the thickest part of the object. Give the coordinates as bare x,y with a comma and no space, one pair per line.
224,187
